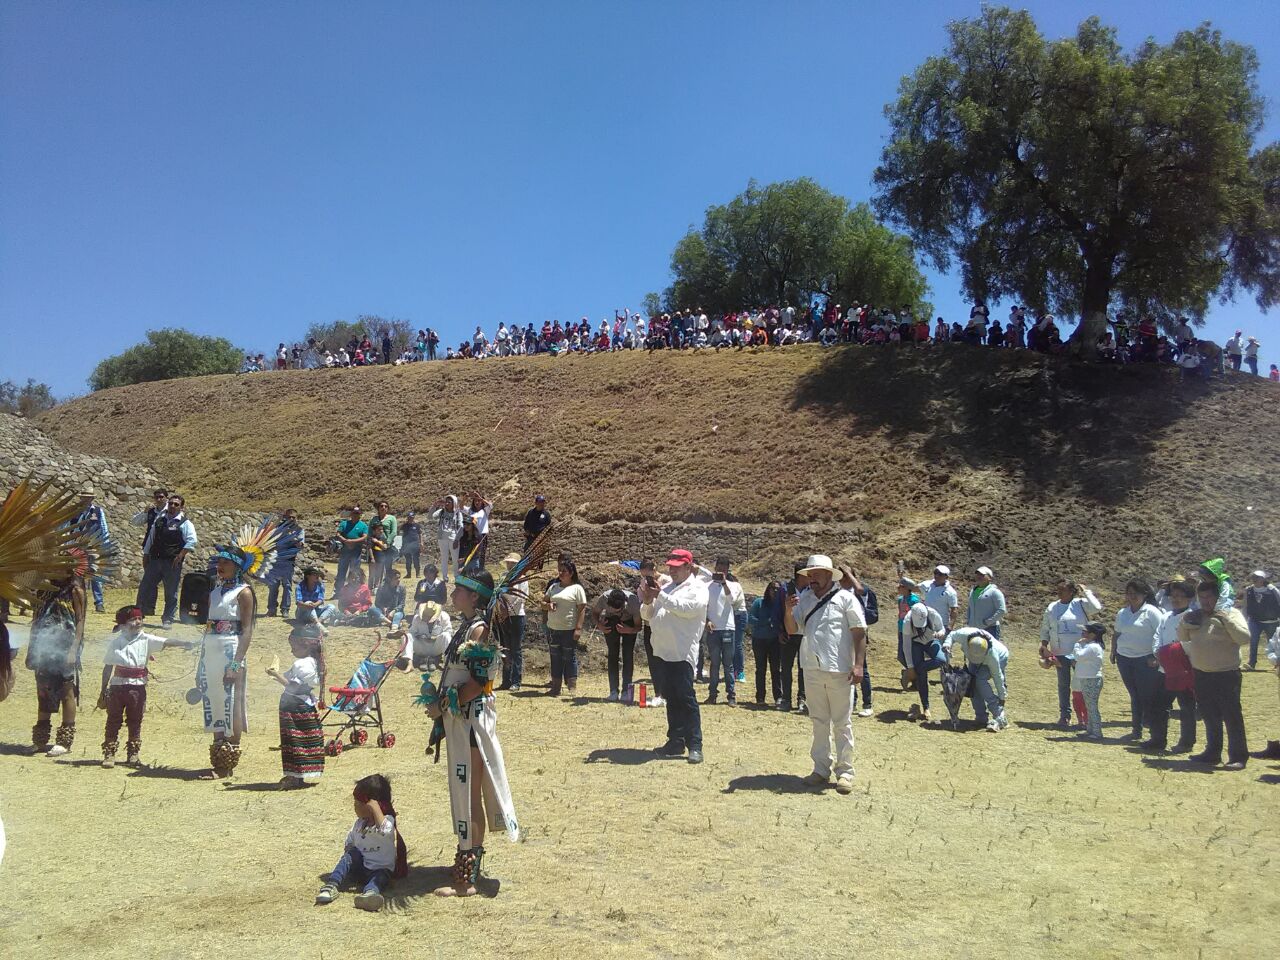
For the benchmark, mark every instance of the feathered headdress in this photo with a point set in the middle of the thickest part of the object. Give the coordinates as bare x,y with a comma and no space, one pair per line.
96,555
37,531
522,570
253,550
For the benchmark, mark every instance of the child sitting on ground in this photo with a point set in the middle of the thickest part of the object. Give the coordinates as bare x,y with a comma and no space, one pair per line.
124,682
1089,656
373,848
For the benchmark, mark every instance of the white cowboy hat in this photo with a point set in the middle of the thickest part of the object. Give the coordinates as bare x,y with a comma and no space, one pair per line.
817,562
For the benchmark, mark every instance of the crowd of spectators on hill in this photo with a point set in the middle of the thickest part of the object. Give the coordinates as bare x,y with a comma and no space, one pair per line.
1126,340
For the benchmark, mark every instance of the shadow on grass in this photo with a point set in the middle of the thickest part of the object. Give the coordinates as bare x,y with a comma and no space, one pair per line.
771,783
422,880
1046,417
1272,778
893,716
1039,725
586,701
16,750
271,786
168,773
627,756
1176,766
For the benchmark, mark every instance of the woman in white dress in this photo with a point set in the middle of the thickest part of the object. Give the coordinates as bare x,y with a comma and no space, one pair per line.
221,677
464,706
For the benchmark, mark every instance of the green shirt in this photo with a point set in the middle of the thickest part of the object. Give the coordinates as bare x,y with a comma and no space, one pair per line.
389,526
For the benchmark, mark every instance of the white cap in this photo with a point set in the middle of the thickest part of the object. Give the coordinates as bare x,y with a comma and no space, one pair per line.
986,572
919,615
1261,574
943,569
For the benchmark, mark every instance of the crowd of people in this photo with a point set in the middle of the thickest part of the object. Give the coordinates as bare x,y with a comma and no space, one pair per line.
1183,645
1127,339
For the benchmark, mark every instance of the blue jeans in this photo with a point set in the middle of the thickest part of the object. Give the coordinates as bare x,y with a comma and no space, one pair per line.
924,657
157,570
721,644
396,615
348,562
983,691
511,636
739,628
352,862
684,721
1065,664
1143,682
564,656
1257,630
283,588
96,586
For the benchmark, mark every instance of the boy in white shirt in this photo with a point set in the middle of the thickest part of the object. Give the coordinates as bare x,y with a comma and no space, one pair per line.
124,682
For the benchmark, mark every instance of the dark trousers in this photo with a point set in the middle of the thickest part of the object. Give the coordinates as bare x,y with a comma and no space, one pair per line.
647,635
125,701
684,722
1142,681
155,571
1219,697
620,645
1165,699
352,863
511,635
412,553
1257,630
789,650
768,657
564,656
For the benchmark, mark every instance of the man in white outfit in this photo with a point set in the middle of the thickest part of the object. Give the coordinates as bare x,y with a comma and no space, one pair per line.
833,652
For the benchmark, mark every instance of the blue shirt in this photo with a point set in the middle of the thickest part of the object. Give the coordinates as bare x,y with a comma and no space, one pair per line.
312,595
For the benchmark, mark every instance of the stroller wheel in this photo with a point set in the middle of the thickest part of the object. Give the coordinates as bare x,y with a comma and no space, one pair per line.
359,737
386,740
333,747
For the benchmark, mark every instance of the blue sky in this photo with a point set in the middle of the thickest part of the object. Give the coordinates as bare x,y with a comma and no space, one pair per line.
248,168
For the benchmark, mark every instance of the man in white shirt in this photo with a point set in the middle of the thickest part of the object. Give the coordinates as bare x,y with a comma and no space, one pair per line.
942,597
722,599
833,655
1234,349
677,614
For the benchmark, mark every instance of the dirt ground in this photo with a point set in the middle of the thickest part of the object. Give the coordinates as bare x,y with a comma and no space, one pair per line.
1022,844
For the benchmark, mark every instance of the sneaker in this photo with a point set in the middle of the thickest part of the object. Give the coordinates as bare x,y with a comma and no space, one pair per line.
844,784
1182,747
732,701
514,688
802,708
99,608
816,779
328,893
866,712
993,725
695,756
742,676
1234,765
672,748
370,900
108,762
612,697
58,750
658,702
712,699
1064,721
1002,721
926,716
784,706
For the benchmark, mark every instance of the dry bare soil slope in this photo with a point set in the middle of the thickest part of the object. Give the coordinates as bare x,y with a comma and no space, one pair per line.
1038,466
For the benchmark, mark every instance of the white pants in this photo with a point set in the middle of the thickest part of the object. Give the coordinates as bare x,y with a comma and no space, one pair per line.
830,699
448,559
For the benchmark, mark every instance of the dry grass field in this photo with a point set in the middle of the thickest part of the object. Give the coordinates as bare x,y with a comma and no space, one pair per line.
953,845
1034,465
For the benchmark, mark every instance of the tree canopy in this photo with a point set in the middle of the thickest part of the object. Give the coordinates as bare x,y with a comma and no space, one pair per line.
27,400
165,355
787,242
1078,177
339,332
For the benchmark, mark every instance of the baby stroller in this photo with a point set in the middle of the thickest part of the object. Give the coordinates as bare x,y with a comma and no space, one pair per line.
359,706
955,687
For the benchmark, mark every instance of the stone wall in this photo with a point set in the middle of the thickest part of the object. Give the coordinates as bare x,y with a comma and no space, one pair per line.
121,488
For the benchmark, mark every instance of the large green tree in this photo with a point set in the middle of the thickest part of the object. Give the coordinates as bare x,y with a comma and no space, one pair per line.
1077,176
786,242
338,332
167,354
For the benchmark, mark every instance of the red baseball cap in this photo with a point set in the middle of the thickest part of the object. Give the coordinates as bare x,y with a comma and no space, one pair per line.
679,558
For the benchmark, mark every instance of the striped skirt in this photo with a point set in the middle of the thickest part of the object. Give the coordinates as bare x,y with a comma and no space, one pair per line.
301,742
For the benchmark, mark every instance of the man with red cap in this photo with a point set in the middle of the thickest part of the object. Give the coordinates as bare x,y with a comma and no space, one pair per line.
676,614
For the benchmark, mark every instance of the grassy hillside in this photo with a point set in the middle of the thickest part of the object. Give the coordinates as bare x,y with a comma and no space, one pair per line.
942,453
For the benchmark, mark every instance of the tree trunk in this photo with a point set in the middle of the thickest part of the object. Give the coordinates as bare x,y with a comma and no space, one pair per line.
1093,310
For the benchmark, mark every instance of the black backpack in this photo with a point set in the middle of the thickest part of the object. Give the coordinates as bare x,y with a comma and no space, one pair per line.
870,606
